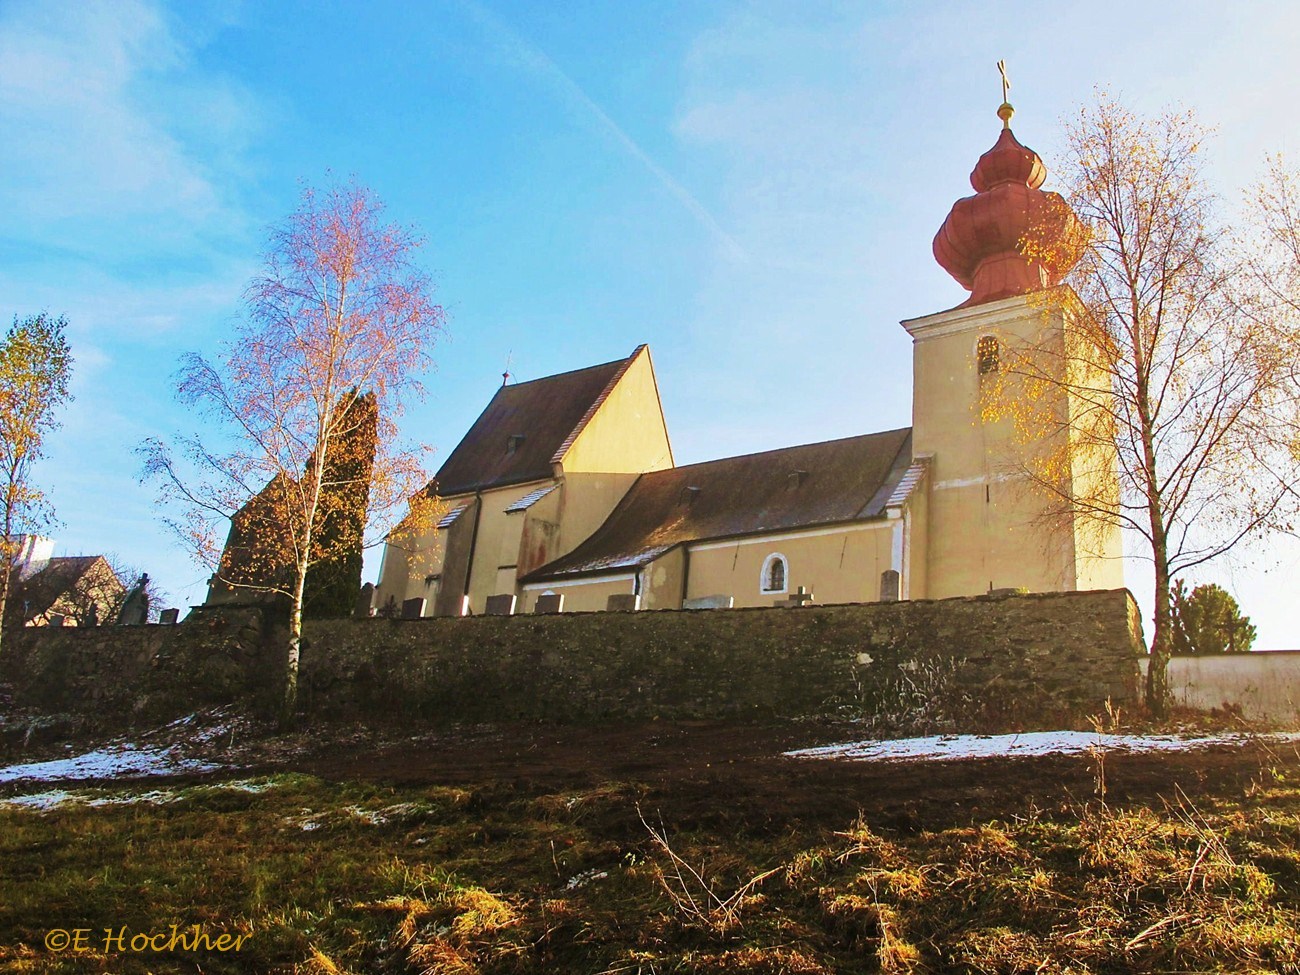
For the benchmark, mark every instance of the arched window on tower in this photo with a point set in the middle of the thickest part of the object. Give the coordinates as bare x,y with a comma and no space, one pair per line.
773,576
986,354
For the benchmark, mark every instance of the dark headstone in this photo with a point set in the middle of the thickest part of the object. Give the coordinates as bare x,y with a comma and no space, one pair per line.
623,602
889,584
502,604
56,619
550,602
413,609
364,609
169,617
135,607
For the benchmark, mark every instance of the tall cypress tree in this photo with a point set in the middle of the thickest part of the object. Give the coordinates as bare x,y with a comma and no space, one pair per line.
332,583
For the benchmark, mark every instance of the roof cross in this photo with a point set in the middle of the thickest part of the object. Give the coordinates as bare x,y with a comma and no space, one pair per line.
1005,111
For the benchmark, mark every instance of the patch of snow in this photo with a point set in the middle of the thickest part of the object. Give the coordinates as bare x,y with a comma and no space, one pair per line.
940,748
44,801
39,801
107,763
584,878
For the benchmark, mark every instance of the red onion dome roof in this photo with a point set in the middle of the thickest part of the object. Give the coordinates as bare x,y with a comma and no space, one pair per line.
1011,237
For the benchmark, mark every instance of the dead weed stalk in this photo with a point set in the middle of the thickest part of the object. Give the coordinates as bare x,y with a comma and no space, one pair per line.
695,897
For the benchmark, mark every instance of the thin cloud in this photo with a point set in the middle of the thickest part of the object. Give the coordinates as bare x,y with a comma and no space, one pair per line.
531,56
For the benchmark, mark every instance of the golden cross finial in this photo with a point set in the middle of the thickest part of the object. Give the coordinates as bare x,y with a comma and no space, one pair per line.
1005,111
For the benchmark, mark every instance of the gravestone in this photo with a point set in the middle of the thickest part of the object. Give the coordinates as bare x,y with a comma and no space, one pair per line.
889,586
413,609
135,607
169,617
56,619
800,598
709,602
502,604
623,602
550,602
364,608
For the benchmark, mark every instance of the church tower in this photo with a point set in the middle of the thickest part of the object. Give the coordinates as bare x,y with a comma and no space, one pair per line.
989,526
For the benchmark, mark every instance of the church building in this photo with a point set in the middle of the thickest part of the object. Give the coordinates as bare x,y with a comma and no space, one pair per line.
564,494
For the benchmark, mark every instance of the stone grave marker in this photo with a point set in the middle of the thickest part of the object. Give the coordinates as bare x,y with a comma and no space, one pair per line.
800,598
413,609
364,608
709,602
623,602
502,604
550,602
889,586
169,617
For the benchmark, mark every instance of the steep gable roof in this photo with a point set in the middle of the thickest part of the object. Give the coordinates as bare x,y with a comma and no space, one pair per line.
548,414
778,490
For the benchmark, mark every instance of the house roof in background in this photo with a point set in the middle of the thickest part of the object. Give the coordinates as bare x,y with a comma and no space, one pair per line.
57,577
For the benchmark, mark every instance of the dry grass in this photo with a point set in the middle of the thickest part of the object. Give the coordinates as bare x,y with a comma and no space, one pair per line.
491,880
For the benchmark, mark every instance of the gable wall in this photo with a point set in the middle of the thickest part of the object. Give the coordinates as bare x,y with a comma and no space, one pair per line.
625,438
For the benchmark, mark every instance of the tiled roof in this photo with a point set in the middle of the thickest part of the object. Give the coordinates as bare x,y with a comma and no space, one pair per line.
526,427
778,490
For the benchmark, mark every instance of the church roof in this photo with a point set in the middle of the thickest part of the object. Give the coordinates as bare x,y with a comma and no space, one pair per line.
527,427
816,484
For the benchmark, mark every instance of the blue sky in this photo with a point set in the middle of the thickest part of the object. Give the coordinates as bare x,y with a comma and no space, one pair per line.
745,186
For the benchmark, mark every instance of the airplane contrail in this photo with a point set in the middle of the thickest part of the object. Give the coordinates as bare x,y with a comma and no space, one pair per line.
531,55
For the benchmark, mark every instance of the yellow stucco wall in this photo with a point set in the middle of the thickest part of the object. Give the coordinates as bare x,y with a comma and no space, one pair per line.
626,437
838,565
497,533
987,526
587,596
661,581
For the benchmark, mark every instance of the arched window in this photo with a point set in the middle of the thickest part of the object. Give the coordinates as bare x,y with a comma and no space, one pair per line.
773,577
986,354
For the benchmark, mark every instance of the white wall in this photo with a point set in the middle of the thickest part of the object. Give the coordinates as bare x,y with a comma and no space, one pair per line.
1265,685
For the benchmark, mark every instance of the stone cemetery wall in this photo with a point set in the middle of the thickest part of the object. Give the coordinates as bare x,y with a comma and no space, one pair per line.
986,663
149,672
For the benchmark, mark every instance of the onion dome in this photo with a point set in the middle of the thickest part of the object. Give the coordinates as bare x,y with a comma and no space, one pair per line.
1010,238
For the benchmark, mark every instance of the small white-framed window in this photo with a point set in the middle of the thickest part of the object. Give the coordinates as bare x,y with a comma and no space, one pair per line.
775,575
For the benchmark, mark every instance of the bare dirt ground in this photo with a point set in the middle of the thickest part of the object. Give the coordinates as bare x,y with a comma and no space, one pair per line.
714,773
708,773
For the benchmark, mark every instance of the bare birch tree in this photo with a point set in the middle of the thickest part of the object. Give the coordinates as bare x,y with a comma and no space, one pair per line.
1173,390
339,312
35,369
